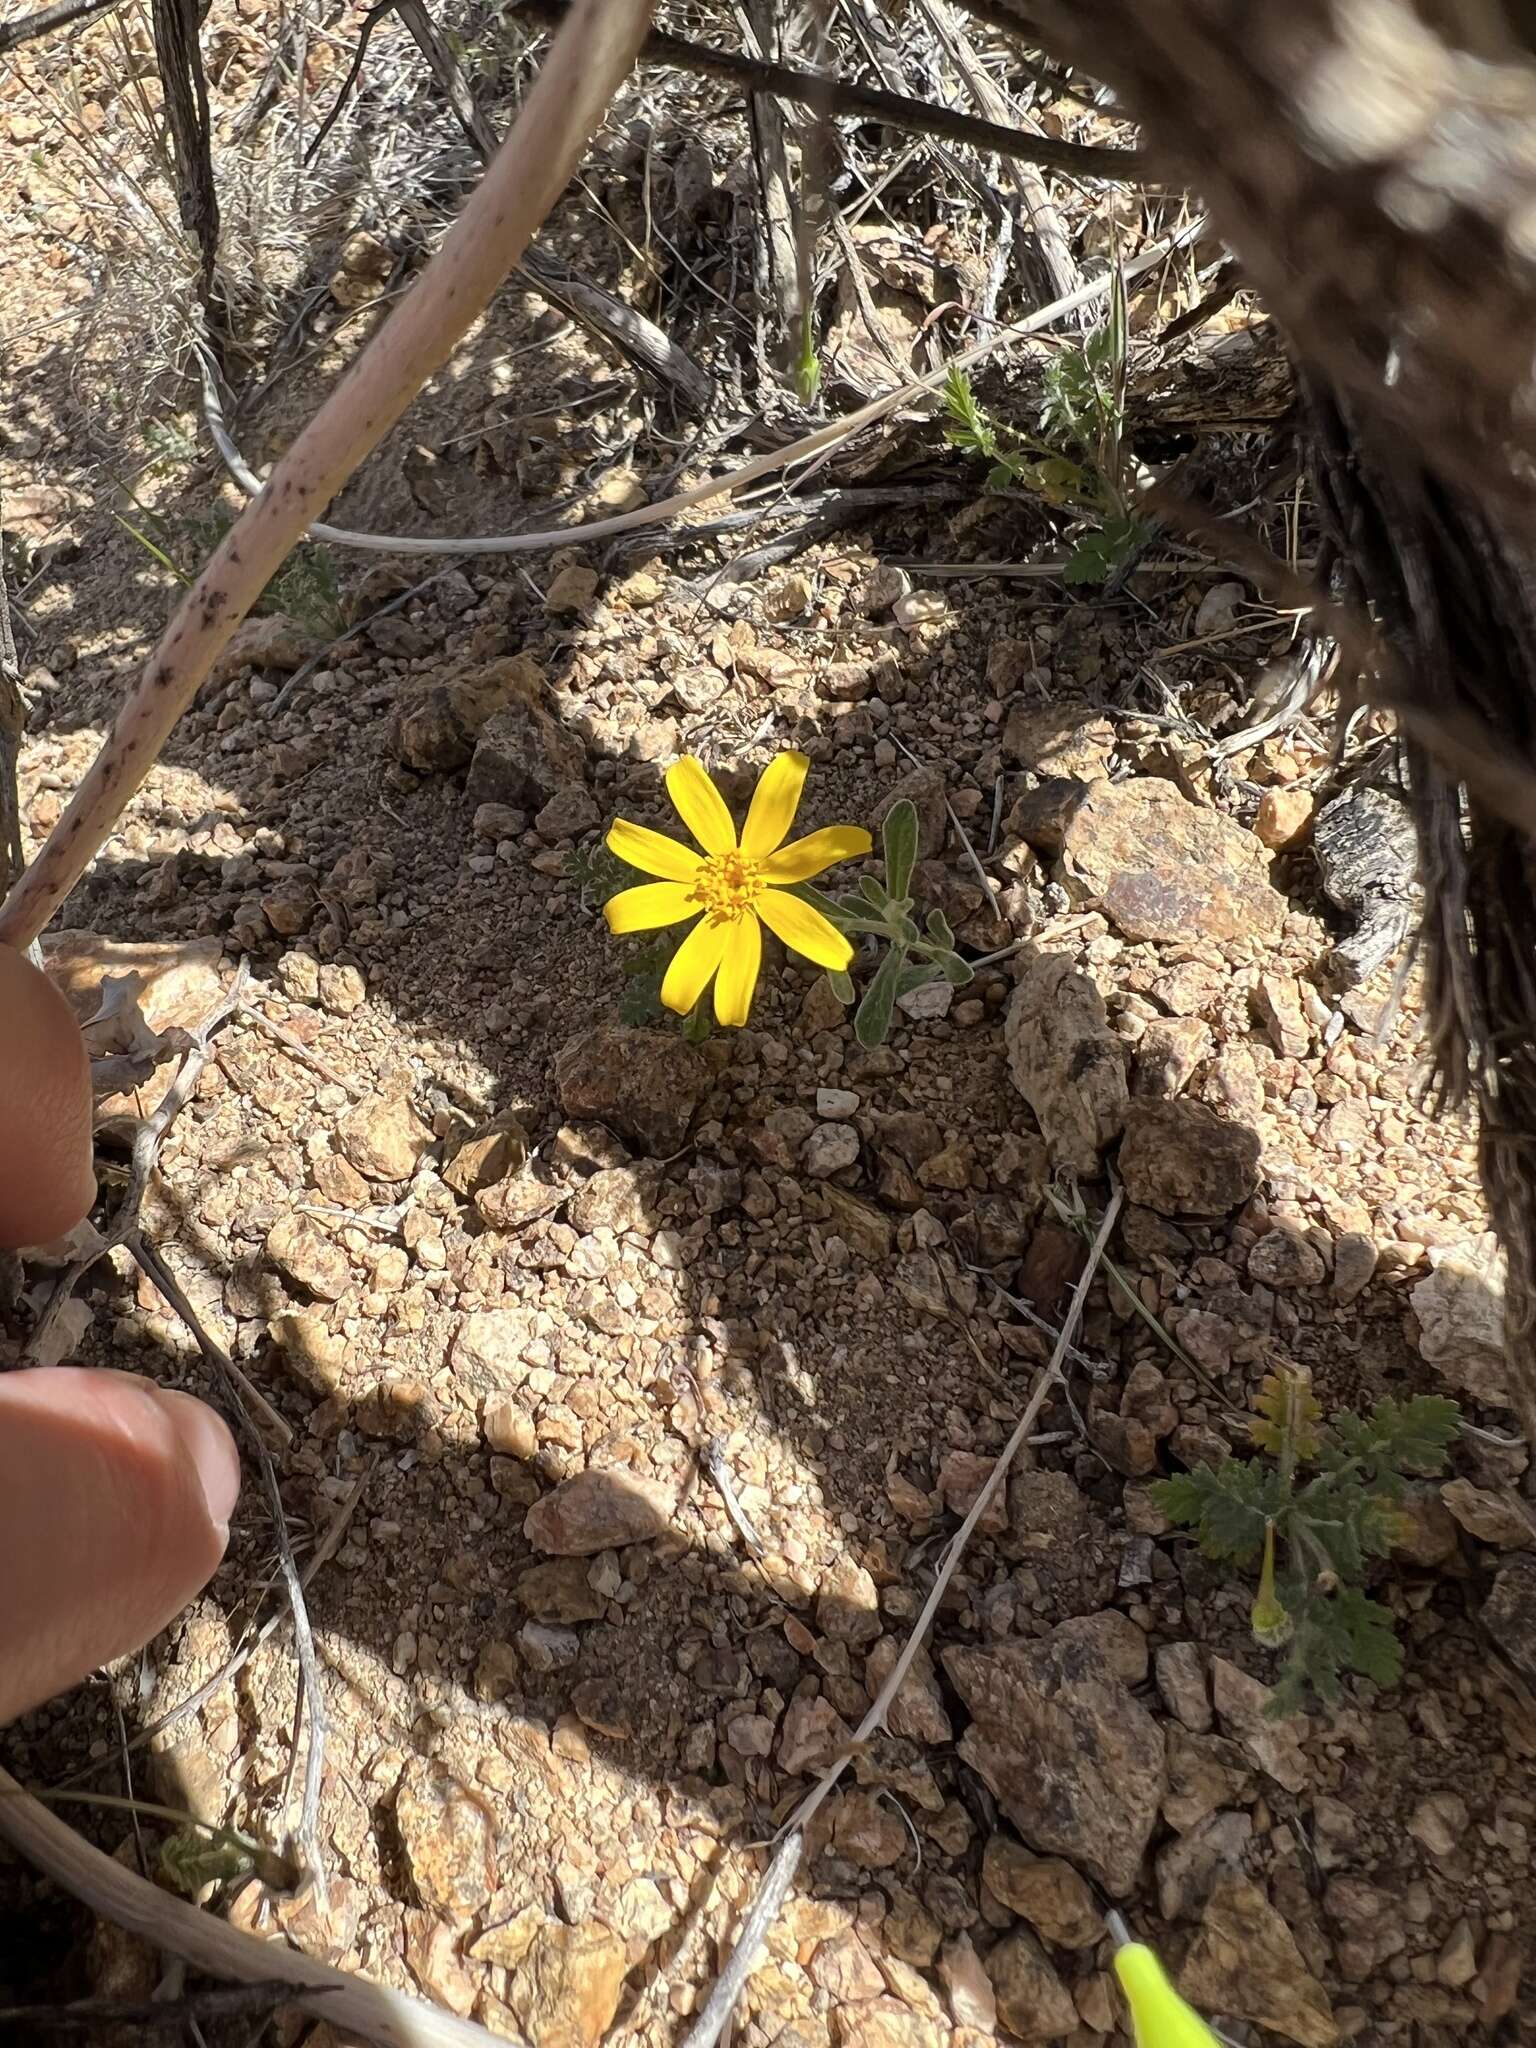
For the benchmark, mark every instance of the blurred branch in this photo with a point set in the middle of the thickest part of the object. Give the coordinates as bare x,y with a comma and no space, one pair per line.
834,96
41,23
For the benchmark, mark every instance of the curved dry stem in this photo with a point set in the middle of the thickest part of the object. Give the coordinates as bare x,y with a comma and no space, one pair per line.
587,62
128,1900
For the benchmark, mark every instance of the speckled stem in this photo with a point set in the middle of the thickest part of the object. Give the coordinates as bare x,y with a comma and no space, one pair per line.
353,2005
587,62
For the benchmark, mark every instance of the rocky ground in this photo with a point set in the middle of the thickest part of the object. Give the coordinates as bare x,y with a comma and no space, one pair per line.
544,1303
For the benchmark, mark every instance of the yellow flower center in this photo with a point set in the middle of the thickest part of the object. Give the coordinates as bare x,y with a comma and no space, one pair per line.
728,885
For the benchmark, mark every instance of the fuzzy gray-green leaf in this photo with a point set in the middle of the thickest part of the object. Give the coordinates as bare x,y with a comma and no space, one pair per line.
899,837
872,1021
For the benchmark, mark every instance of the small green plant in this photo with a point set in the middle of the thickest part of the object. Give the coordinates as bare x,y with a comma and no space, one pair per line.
1322,1500
597,875
1079,463
305,588
808,362
885,910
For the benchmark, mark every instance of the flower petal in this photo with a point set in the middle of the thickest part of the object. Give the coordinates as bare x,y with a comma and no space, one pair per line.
693,965
649,907
774,803
803,858
738,971
803,929
653,853
701,806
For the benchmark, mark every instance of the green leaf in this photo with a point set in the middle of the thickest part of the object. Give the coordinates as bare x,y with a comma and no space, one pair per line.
1288,1415
842,985
872,1019
190,1858
873,892
957,972
1374,1649
938,928
899,839
1401,1436
917,977
643,970
968,426
1335,1633
1103,553
1228,1506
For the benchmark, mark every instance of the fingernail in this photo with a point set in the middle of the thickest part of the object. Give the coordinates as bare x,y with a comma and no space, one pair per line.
212,1450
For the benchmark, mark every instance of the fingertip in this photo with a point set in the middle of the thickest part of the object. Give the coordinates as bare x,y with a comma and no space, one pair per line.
210,1450
115,1498
47,1175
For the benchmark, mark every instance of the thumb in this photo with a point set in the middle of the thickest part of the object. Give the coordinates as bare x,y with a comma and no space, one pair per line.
115,1498
46,1179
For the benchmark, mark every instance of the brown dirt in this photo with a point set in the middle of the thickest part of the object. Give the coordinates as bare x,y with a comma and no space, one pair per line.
623,1767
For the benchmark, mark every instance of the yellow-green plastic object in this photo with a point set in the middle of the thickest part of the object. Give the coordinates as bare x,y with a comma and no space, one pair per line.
1159,2015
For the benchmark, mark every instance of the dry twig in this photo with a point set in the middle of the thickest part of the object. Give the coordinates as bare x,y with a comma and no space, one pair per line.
586,63
774,1888
830,97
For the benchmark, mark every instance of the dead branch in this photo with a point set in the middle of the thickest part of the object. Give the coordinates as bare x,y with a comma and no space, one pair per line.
640,340
91,2016
351,2004
180,60
803,449
774,1887
13,721
44,20
311,1689
588,60
831,97
777,272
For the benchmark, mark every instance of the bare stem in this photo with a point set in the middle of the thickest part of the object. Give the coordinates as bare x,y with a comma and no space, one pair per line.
587,62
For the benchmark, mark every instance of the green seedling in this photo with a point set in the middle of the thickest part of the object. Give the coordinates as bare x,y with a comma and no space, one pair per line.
1078,463
1321,1500
916,954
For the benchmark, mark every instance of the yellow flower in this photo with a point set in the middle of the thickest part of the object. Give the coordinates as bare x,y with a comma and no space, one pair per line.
739,885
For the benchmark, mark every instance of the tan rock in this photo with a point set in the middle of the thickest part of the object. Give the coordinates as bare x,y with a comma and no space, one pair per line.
1498,1519
489,1154
1044,1890
383,1137
566,1989
126,993
645,1084
599,1509
1066,1062
449,1839
1057,1710
486,1355
1278,1007
1244,1961
1032,2001
303,1254
1242,1706
1168,870
1284,818
883,2023
1065,738
847,1607
813,1732
1182,1159
314,1356
1460,1308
